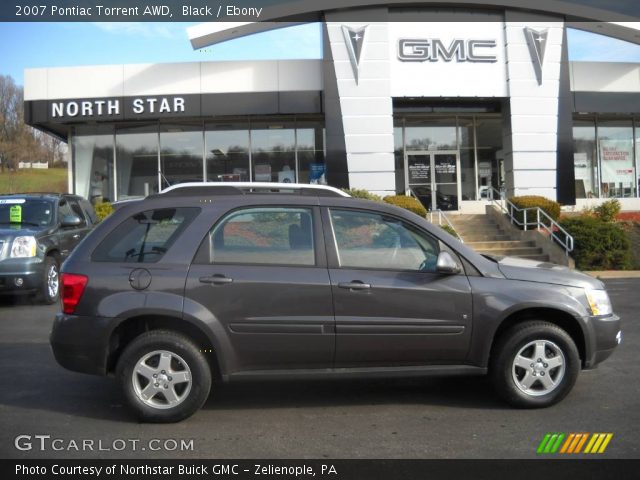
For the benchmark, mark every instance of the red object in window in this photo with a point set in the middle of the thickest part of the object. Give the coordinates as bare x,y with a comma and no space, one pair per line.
72,290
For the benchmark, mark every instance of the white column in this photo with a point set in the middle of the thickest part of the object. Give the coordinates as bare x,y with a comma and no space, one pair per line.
530,141
367,110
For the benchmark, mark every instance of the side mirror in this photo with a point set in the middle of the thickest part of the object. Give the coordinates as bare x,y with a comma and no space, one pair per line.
446,264
71,221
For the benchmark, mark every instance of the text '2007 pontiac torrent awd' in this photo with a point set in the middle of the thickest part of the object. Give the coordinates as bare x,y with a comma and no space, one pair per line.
217,283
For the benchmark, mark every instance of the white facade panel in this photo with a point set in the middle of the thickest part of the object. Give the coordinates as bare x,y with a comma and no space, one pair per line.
80,82
534,178
371,162
373,51
231,77
368,70
35,83
530,88
366,124
520,53
368,143
161,79
364,88
535,160
524,71
299,75
367,105
454,78
530,105
382,182
533,142
547,192
534,123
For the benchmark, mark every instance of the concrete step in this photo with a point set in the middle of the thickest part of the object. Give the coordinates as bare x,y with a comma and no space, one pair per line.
512,252
480,231
485,238
500,244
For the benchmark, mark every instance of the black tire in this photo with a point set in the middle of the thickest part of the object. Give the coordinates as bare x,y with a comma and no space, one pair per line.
511,381
45,295
186,361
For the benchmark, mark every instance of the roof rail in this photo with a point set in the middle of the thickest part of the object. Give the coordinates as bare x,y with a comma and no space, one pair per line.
240,188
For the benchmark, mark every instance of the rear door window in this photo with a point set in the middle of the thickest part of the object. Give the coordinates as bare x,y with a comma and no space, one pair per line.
144,237
261,236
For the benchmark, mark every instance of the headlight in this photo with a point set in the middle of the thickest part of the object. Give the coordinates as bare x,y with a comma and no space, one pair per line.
23,247
599,302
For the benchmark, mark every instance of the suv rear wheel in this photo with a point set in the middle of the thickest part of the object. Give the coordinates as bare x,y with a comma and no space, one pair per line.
164,376
535,364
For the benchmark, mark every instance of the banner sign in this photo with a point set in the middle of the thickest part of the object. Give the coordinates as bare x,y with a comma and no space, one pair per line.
616,158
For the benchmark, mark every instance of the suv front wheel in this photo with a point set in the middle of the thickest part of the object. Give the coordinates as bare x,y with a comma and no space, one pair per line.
534,364
164,376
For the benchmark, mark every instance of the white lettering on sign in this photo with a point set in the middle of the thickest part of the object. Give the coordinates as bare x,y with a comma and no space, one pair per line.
98,108
432,50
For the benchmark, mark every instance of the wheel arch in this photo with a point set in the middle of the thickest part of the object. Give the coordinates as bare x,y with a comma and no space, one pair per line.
561,318
132,327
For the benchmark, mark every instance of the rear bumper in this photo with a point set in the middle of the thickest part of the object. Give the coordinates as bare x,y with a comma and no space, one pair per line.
81,343
606,335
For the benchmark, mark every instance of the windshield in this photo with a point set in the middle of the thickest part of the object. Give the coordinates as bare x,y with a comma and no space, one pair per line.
35,212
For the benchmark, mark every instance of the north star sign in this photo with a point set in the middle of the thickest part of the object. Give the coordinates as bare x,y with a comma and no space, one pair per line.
112,107
432,50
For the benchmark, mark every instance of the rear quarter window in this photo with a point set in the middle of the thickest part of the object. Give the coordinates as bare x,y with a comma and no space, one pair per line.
145,236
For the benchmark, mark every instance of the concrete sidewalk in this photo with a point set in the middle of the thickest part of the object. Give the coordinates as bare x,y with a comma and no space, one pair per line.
615,273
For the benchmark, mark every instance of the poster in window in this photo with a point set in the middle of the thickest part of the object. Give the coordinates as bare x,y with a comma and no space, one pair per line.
616,158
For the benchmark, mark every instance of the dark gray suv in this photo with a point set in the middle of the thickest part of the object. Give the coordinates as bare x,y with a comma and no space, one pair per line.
218,283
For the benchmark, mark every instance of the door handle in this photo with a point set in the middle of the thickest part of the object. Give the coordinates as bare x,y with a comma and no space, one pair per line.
355,285
216,279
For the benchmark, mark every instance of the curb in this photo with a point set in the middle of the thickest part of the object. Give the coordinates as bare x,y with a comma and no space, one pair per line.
615,274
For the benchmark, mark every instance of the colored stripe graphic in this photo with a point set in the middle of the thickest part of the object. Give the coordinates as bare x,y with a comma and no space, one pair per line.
572,443
551,443
598,442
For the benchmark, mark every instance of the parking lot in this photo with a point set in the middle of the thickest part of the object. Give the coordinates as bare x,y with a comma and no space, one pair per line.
427,418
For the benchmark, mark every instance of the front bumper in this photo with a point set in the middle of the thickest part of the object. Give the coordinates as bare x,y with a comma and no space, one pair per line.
81,343
605,336
21,275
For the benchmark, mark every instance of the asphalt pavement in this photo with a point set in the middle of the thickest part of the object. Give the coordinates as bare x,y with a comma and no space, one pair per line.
48,412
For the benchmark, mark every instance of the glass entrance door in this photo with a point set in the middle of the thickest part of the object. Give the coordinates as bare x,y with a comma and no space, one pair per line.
434,178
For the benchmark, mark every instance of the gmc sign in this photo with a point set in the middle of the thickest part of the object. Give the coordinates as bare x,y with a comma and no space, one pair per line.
432,50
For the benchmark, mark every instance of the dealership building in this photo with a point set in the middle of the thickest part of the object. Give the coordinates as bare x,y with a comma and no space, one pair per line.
460,103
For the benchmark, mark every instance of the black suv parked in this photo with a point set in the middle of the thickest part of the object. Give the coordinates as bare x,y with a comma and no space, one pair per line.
232,282
37,233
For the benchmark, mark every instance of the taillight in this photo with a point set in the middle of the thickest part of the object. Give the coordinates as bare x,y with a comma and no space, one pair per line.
72,290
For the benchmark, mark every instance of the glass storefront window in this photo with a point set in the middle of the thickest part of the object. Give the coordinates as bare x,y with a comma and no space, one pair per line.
137,161
273,152
227,152
615,149
398,152
467,158
430,134
180,154
585,159
310,144
93,163
489,154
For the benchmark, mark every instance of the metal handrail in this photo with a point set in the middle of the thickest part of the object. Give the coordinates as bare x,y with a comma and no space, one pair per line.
552,228
441,216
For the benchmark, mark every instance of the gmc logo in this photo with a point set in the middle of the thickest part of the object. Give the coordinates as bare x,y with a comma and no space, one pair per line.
432,50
